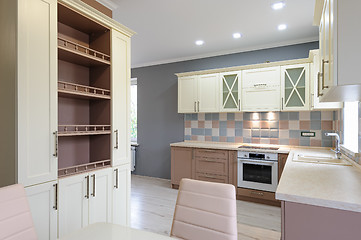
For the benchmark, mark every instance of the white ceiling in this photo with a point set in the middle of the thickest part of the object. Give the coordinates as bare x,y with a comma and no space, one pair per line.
167,29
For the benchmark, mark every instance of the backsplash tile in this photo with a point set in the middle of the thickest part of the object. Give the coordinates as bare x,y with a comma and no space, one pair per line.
266,127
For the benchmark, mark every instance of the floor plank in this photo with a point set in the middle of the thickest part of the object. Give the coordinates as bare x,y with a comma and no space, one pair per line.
153,202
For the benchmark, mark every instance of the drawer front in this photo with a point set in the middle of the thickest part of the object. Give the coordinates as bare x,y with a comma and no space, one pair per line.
256,194
212,166
211,154
211,178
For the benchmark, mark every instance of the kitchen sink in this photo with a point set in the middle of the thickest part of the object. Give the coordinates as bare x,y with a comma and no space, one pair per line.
320,159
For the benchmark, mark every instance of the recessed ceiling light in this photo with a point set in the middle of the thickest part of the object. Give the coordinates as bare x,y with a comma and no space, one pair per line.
282,27
278,5
237,35
199,42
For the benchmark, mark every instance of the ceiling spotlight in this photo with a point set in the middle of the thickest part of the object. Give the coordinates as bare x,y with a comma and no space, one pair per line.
237,35
282,27
199,42
278,5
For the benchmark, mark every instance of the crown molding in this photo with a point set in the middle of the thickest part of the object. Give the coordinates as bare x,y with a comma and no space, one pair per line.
109,4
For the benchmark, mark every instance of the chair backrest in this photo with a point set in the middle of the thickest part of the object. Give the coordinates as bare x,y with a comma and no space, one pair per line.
16,222
205,210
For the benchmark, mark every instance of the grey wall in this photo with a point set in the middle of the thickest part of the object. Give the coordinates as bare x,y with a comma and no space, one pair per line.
159,124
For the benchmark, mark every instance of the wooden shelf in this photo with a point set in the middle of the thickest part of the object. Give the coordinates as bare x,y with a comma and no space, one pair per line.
75,53
83,130
63,172
66,89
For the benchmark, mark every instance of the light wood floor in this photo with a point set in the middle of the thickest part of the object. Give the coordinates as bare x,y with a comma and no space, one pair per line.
153,202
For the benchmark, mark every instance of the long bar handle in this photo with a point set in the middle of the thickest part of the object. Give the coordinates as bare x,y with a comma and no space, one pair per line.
93,194
239,104
116,139
56,144
318,84
323,73
198,106
116,178
56,197
87,187
195,106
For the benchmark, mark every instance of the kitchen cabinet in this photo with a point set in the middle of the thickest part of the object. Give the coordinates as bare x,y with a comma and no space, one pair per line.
295,87
28,92
198,93
230,85
339,48
42,200
182,165
120,53
282,158
84,199
303,221
315,87
211,165
261,89
121,195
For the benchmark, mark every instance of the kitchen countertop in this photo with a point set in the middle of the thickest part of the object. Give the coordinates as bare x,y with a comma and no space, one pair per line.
324,185
231,146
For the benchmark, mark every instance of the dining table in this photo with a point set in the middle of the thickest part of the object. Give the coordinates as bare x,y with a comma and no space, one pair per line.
109,231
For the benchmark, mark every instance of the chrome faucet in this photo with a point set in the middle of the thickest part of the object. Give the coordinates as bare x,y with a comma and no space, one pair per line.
337,143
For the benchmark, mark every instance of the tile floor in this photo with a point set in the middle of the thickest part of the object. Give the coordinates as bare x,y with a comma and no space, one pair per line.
153,201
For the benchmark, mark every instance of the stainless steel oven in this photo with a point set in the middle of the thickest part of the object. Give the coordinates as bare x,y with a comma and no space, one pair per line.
257,170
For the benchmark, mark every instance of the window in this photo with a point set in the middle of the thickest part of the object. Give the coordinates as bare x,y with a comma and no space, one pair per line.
350,125
133,109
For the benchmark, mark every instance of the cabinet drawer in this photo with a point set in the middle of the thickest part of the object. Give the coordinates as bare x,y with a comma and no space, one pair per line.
212,166
211,178
256,194
211,154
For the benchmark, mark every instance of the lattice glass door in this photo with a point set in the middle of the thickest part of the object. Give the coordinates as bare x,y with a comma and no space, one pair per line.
230,83
295,82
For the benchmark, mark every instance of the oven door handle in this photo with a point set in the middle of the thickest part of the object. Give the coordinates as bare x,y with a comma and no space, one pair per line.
258,162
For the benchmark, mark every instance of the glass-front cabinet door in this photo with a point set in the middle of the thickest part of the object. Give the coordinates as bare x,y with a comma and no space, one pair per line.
231,91
295,87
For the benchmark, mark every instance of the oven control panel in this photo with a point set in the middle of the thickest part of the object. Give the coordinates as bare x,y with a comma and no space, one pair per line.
258,155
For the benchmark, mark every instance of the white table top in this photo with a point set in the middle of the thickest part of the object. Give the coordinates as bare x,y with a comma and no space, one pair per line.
108,231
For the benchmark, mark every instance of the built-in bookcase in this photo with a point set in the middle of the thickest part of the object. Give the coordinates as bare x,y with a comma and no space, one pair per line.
84,93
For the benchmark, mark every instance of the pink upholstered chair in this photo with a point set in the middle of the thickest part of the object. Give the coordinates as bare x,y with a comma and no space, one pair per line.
16,222
205,210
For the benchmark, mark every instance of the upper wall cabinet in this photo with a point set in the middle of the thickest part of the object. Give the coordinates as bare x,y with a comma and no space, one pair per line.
198,93
261,89
315,87
339,50
230,85
295,87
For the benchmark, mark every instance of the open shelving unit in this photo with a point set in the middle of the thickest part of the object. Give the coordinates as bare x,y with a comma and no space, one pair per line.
84,94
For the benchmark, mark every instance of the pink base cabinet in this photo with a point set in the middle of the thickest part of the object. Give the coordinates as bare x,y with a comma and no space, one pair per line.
302,221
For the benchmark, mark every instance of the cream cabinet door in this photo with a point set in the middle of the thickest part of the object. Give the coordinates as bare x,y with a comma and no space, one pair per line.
261,89
121,195
37,91
187,94
230,85
120,91
295,88
73,211
100,196
208,92
43,206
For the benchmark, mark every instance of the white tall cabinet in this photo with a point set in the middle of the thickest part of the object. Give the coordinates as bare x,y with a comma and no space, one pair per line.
29,148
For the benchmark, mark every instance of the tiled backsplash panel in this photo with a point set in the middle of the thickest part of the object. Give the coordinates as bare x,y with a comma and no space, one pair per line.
264,127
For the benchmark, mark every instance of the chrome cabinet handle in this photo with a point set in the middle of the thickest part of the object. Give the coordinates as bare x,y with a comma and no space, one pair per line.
56,196
56,144
116,139
239,104
281,103
198,106
93,194
195,106
116,178
318,84
257,193
87,187
323,73
260,85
